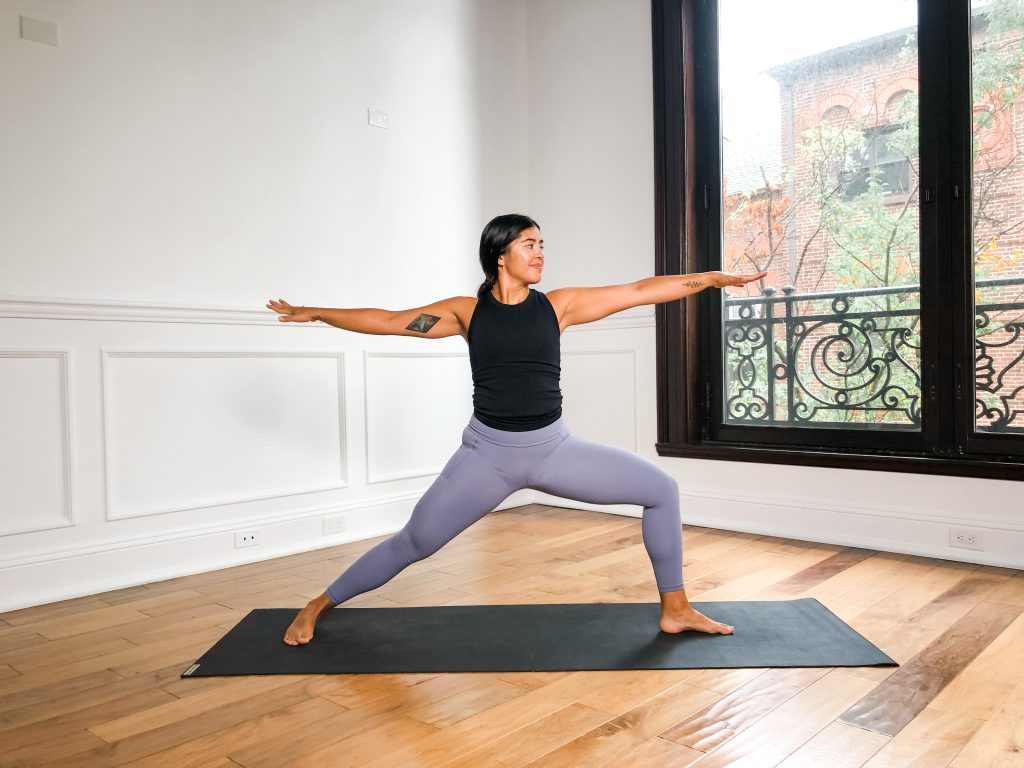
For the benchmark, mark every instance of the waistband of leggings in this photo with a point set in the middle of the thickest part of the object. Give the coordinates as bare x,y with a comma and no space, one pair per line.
529,437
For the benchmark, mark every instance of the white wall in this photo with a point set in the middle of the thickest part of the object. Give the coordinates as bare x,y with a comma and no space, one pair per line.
214,153
167,169
172,165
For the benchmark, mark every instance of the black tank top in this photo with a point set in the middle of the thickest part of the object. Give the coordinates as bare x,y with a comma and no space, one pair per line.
515,355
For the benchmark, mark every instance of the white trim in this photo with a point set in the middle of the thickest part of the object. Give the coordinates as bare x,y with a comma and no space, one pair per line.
160,574
70,505
108,353
45,308
56,554
880,544
52,308
727,521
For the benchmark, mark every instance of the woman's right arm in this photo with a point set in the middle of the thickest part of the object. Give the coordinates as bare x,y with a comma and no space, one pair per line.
434,321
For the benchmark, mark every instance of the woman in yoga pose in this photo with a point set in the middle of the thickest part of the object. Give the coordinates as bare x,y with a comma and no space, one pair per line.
516,437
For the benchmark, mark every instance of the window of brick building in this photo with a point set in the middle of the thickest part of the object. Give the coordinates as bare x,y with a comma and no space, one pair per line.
874,169
876,162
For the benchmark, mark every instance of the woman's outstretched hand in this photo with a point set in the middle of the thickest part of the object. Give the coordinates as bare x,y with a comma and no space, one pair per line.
723,279
290,314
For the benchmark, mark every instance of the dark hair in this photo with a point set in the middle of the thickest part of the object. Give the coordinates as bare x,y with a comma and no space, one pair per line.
499,233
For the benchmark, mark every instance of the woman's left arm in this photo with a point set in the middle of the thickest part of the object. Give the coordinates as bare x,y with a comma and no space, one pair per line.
585,305
662,288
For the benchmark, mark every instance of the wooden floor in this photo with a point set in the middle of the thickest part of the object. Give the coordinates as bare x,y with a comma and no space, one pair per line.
95,681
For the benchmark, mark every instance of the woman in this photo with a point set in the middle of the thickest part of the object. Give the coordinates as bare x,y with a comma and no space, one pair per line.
516,437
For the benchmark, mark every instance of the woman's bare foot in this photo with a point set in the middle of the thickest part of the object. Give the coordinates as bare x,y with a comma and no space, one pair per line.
301,630
677,615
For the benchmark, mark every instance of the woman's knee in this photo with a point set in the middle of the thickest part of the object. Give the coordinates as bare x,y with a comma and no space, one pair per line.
664,486
412,545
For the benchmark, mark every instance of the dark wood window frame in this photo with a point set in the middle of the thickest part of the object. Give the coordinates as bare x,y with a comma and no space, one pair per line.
687,195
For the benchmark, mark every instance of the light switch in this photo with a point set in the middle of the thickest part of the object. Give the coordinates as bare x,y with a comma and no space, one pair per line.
378,119
40,31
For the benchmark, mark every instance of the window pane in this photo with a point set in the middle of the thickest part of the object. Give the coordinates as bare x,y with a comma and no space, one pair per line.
820,188
997,208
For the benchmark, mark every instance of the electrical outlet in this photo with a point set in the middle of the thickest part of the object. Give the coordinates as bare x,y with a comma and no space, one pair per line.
249,538
333,525
966,538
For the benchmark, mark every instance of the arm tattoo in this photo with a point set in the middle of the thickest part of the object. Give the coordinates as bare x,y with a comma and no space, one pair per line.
692,284
423,323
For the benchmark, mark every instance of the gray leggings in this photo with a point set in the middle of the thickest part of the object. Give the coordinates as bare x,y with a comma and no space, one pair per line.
493,463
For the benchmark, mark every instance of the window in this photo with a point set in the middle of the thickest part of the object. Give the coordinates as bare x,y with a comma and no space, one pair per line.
876,162
875,169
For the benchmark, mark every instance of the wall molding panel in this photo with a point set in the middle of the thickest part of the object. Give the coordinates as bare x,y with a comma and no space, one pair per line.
113,452
416,409
599,411
67,516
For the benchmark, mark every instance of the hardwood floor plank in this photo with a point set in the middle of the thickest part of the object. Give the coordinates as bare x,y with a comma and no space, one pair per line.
1011,591
78,648
169,651
101,618
615,739
837,745
483,695
191,725
62,702
999,742
360,748
724,680
824,570
480,729
13,638
742,708
258,733
24,617
637,688
57,746
930,740
661,753
886,601
533,740
785,729
531,680
988,678
38,733
373,712
927,624
231,690
900,697
751,586
30,696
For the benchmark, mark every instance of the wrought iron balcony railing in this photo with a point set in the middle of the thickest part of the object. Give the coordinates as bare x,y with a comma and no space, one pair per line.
851,359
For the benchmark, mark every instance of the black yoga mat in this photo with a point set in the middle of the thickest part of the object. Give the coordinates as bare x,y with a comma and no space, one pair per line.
549,637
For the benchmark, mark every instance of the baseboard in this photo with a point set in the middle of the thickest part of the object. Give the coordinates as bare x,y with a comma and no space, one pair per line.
63,574
906,532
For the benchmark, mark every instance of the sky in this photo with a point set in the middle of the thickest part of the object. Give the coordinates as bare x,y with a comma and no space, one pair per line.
755,35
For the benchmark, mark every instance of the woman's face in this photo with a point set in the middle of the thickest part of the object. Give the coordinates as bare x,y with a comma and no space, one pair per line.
524,257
